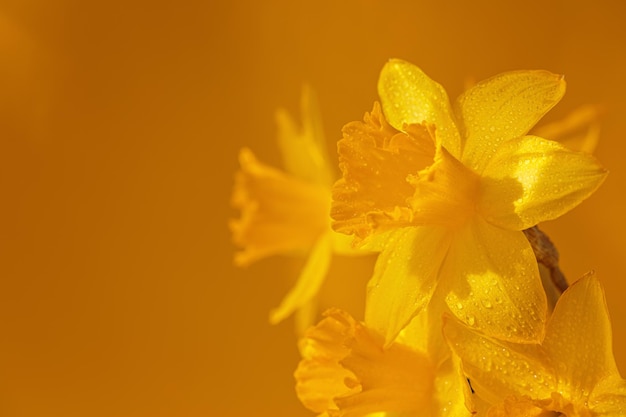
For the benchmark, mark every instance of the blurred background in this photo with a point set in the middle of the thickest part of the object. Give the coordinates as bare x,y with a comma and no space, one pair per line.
120,124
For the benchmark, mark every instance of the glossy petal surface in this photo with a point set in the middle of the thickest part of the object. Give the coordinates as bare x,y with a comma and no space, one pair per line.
530,180
502,108
498,369
409,96
579,338
404,278
571,372
494,282
609,397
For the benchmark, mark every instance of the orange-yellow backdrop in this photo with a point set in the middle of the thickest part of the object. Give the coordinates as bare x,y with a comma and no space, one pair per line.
120,123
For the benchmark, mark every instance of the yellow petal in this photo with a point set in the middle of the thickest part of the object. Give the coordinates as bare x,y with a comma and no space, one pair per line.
424,330
502,108
404,278
279,213
393,379
304,149
558,404
409,96
609,398
342,245
530,180
449,389
517,407
345,369
578,131
579,338
309,282
319,376
494,283
376,160
498,369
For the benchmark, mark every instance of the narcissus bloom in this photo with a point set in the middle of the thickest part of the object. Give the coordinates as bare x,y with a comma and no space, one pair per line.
347,371
288,212
445,190
572,371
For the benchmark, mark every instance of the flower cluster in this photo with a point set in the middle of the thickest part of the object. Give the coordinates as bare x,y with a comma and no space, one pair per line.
449,194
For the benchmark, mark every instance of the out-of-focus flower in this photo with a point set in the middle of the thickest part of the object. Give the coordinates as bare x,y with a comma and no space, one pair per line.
579,130
444,192
572,371
347,371
288,212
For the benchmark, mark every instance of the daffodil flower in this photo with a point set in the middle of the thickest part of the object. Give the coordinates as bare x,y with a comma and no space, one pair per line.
444,191
346,371
288,212
572,371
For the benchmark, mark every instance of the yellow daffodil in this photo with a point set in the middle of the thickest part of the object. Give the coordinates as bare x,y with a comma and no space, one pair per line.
445,190
572,371
288,212
347,371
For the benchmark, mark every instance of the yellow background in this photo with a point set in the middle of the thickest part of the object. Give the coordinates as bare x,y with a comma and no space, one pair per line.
120,123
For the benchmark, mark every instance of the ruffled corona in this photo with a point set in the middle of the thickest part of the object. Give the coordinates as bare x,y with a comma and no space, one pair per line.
346,371
374,155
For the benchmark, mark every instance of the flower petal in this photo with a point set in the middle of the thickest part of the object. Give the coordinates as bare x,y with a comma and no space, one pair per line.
346,369
404,278
450,389
393,379
579,338
319,376
502,108
530,180
409,96
279,213
498,369
304,149
609,397
309,282
494,283
376,160
578,131
518,407
424,331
